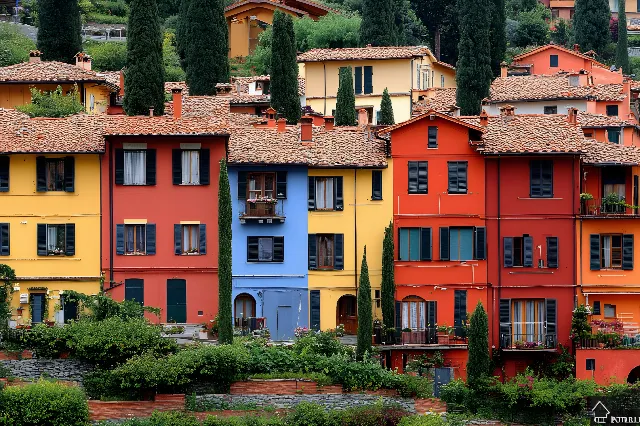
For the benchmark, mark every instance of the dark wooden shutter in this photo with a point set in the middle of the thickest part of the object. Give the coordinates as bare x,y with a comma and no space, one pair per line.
338,252
314,309
177,239
413,177
507,252
398,314
119,166
281,185
596,307
119,239
339,201
252,249
42,239
70,239
432,313
459,310
627,252
444,243
527,243
313,252
151,167
358,80
481,243
594,252
4,173
41,174
150,235
423,177
278,249
552,252
205,167
368,80
426,243
505,323
376,184
311,196
552,316
176,166
202,249
432,137
452,167
242,185
5,242
134,290
69,174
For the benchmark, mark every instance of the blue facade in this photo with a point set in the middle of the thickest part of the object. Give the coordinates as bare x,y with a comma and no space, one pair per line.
275,277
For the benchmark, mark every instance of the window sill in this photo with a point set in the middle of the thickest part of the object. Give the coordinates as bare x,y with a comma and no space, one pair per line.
539,198
417,193
190,184
457,193
268,262
134,184
190,254
375,199
325,210
134,254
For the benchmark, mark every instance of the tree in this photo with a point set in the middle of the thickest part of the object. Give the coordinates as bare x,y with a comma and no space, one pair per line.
284,69
346,102
515,7
479,362
14,46
59,37
7,276
181,32
225,326
473,74
386,110
378,23
365,318
622,52
533,29
388,286
591,25
53,104
144,78
498,36
562,33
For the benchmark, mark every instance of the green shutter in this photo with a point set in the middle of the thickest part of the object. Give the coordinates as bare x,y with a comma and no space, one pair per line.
481,243
339,197
4,173
425,243
242,185
70,239
311,195
5,242
252,249
313,252
202,249
552,252
119,160
505,323
205,167
150,235
528,251
444,243
368,80
151,167
314,309
358,80
177,239
627,252
594,252
338,252
176,166
278,249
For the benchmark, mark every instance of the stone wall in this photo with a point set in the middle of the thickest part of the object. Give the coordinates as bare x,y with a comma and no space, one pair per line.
61,369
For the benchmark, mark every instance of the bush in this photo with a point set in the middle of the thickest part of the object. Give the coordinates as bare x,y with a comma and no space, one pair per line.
323,343
43,403
634,40
53,103
14,46
45,341
107,56
428,420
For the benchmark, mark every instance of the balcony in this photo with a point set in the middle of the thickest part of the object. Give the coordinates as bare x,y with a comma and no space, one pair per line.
455,336
529,342
261,211
610,206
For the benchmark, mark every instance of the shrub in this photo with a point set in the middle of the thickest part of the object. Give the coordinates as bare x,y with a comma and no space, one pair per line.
323,343
45,341
307,414
53,103
14,46
428,420
107,56
165,419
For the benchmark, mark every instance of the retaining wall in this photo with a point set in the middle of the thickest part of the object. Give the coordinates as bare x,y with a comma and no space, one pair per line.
61,369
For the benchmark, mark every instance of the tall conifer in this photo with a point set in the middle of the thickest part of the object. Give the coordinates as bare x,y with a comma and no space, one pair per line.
591,25
182,29
498,38
365,318
622,51
388,287
346,102
225,216
378,23
386,110
59,37
284,69
479,361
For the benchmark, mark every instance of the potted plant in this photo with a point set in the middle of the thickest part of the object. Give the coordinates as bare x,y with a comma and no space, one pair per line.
613,203
519,344
584,197
340,330
406,336
391,335
203,333
443,334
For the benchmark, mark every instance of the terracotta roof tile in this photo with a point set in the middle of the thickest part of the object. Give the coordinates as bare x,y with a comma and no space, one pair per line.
595,152
201,106
598,120
284,4
112,77
47,71
520,57
439,99
362,53
170,85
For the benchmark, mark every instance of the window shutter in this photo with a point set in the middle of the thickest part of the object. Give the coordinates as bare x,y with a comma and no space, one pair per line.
376,184
527,242
205,167
41,174
177,239
552,252
368,80
70,239
119,166
314,309
425,243
550,338
413,177
42,239
505,323
358,80
4,173
5,246
338,193
119,239
252,249
313,252
69,174
459,310
596,307
508,252
453,176
627,252
176,166
150,234
203,239
462,176
278,249
311,196
444,243
242,185
151,167
432,137
281,185
432,313
594,252
398,315
423,177
338,252
481,243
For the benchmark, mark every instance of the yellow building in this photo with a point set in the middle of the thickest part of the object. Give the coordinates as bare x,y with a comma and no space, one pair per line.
405,72
49,212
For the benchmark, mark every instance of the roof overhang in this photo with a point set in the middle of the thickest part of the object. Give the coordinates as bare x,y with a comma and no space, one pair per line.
431,113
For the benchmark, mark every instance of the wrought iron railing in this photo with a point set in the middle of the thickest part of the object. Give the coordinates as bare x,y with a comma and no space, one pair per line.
261,209
528,341
606,206
424,336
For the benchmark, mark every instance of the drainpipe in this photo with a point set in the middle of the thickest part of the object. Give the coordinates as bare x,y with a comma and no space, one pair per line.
324,70
111,153
411,91
355,229
101,217
499,268
573,183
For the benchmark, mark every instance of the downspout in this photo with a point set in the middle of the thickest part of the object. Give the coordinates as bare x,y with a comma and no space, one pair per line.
111,280
411,91
324,71
101,217
355,229
573,183
498,264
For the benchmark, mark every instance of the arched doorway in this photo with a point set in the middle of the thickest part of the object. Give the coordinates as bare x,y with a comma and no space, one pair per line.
634,376
244,307
347,313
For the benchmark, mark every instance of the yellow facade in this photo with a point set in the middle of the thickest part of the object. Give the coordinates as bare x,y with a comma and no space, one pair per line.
362,222
23,208
96,96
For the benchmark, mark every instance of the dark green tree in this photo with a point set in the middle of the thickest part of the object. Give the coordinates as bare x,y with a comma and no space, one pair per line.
144,78
346,101
562,33
591,25
365,318
533,29
498,36
479,363
386,110
378,26
284,69
7,276
59,30
225,325
181,32
473,75
441,19
622,52
388,286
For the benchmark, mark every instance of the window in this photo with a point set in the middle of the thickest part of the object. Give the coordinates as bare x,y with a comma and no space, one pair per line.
433,137
414,313
325,193
541,179
442,81
553,61
54,174
368,80
135,239
590,364
609,311
376,184
611,252
613,135
56,240
326,251
261,185
418,177
457,177
190,239
460,312
191,167
357,80
551,110
596,307
574,80
460,243
528,318
135,167
134,290
4,173
5,243
463,243
376,297
612,110
414,244
518,251
265,249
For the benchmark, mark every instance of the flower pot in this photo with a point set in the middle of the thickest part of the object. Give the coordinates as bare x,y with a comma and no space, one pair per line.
443,338
406,337
203,335
600,345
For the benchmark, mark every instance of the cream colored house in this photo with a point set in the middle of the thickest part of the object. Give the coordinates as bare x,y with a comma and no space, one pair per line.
406,72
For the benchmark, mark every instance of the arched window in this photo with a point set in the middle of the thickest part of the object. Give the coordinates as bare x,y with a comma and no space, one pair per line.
414,313
245,306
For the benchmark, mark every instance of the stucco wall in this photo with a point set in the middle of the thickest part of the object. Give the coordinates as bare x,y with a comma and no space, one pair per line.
537,107
612,365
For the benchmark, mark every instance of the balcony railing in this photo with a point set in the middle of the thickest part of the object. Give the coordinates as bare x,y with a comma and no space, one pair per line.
423,336
607,206
529,341
262,211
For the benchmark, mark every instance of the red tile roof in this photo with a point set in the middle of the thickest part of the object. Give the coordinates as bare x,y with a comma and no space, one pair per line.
364,53
299,6
48,72
465,123
518,58
589,120
595,152
170,85
438,99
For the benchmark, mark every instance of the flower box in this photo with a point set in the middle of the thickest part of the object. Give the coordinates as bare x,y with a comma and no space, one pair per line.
443,338
406,337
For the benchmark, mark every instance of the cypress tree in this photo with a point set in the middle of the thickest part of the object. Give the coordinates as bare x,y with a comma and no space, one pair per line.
144,79
182,29
284,69
479,362
365,318
386,110
473,75
59,28
388,287
591,25
622,52
346,101
378,23
206,57
225,325
498,36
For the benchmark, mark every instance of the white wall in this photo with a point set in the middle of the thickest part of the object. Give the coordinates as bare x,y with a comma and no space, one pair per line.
537,107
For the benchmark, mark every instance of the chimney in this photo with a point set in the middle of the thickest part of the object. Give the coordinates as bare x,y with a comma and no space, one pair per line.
282,125
368,45
572,116
34,55
507,110
329,122
503,69
306,129
83,61
151,112
363,117
177,102
223,89
576,48
270,114
484,118
121,92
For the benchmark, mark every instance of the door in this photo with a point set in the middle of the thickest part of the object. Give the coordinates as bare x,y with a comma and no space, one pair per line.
177,301
37,308
442,377
284,314
348,314
134,290
69,309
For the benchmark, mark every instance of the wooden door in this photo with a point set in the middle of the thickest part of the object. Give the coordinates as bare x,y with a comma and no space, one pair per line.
347,314
37,308
177,301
